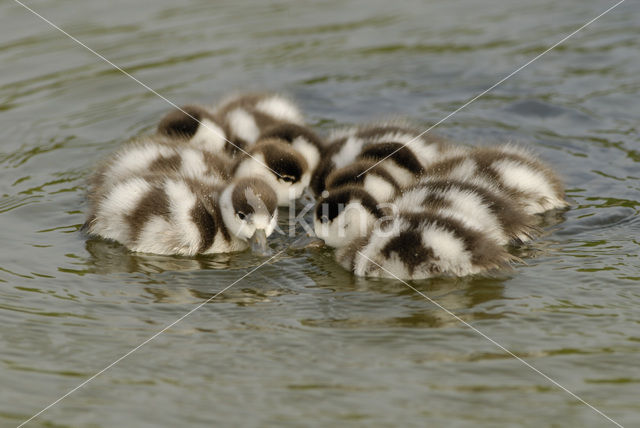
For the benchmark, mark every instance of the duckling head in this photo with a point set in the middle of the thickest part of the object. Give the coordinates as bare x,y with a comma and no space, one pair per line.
282,167
301,138
345,214
194,124
249,211
375,179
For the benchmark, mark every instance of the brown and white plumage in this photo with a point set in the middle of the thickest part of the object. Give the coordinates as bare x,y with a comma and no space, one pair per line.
423,245
482,207
436,240
517,172
399,149
246,116
162,156
375,179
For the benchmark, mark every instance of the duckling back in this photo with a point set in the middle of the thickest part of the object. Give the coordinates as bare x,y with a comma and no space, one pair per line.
161,156
399,149
483,207
246,116
519,174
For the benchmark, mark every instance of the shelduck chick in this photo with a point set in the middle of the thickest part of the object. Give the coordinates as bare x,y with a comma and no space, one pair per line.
176,215
515,171
282,167
347,146
374,179
246,116
301,138
160,155
404,245
484,207
196,126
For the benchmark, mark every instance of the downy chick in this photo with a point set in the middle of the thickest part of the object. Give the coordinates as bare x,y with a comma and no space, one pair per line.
176,215
371,241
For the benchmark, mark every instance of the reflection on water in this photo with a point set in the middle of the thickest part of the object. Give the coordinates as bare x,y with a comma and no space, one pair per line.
110,257
459,295
301,340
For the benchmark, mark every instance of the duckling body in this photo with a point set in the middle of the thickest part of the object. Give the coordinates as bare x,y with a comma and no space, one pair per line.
176,215
518,173
246,116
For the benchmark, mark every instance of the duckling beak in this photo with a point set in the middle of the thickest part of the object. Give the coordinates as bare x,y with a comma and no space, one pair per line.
258,243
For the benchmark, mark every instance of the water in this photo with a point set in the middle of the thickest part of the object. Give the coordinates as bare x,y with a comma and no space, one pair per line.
300,341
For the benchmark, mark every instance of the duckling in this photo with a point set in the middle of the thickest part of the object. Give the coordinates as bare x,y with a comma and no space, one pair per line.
376,142
410,245
301,138
161,155
197,126
484,207
517,172
375,179
161,214
276,162
246,116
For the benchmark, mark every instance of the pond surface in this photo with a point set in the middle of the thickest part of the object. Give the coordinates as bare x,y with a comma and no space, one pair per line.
301,342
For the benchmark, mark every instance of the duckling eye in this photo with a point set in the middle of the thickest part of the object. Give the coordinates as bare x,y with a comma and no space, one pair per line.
288,178
241,215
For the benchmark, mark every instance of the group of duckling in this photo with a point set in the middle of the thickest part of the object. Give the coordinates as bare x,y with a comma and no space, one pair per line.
393,202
